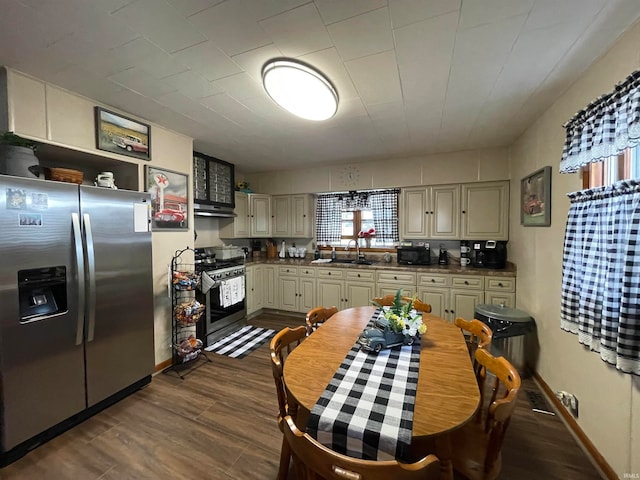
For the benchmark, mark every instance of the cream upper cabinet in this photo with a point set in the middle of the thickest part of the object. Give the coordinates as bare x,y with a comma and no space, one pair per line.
27,104
430,212
292,216
260,213
281,206
240,225
485,211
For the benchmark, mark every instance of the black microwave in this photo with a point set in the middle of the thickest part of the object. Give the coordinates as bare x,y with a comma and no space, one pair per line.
414,255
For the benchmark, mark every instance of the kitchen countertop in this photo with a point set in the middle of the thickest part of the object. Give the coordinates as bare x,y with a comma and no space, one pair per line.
509,271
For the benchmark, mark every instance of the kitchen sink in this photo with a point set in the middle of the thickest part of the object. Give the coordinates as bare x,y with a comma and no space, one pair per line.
352,261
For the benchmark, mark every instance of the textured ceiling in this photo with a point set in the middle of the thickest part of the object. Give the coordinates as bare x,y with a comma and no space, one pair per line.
414,76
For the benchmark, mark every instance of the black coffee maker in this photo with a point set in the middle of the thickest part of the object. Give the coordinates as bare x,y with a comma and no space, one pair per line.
489,254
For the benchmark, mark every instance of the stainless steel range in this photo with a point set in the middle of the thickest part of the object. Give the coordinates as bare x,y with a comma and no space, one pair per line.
223,285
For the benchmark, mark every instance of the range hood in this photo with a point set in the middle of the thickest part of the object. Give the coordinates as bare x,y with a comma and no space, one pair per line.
204,210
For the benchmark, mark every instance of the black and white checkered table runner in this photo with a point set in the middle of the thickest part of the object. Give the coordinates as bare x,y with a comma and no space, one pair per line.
366,411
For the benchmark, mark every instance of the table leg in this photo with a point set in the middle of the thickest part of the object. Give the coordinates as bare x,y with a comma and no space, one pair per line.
443,451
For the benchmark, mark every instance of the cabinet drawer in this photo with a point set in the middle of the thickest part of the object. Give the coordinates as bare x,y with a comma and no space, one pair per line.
500,284
472,283
336,273
307,271
360,276
403,278
288,270
429,279
500,298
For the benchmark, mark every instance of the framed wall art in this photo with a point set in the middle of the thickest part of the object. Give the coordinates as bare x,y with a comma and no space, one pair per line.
116,133
535,199
169,198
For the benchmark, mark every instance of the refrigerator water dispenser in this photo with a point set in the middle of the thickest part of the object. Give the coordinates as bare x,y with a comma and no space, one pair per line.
42,292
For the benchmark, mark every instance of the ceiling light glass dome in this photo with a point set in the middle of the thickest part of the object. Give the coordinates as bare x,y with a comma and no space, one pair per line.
300,89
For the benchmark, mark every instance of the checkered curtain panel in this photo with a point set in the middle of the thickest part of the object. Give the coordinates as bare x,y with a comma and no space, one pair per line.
328,218
601,272
606,127
384,204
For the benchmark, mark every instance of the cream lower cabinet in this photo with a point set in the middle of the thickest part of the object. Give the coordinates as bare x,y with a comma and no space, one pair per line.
270,286
345,288
254,288
296,288
451,296
359,288
389,281
331,289
434,290
500,291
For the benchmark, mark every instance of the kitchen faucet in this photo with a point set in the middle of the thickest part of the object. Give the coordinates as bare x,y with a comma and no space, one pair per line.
357,248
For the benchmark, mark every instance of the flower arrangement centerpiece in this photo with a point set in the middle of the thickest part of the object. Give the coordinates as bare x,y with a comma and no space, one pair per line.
403,317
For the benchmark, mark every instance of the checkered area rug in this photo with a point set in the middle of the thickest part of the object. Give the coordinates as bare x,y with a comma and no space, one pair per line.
242,342
366,410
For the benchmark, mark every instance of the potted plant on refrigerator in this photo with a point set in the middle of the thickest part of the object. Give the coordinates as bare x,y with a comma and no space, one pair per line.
17,156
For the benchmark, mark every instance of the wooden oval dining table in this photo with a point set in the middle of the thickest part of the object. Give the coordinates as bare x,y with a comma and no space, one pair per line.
447,396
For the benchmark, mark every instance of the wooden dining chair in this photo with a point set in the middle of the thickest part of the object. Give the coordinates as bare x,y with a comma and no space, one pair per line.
388,300
315,461
317,316
476,446
477,335
281,346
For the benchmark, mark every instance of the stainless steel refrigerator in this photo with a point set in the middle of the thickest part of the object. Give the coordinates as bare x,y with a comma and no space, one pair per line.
76,305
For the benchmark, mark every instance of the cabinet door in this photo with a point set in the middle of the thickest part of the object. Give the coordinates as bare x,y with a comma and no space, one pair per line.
270,287
444,222
485,211
413,213
500,298
256,291
359,294
260,208
330,293
438,298
463,303
241,223
301,221
281,214
249,289
307,294
288,294
27,105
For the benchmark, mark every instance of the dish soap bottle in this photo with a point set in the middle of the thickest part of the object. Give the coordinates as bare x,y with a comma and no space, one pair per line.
316,254
333,253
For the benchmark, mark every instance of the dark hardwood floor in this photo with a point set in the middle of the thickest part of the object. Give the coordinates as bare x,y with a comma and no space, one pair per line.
220,423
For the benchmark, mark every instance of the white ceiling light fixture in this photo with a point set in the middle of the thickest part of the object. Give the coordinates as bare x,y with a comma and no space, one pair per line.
300,89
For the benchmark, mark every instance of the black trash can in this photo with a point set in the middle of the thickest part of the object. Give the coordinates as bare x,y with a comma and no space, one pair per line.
512,329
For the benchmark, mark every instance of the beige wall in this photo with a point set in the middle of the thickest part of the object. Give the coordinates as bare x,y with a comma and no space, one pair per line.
609,401
53,115
458,167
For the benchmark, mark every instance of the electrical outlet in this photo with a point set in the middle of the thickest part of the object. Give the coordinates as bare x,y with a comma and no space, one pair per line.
569,400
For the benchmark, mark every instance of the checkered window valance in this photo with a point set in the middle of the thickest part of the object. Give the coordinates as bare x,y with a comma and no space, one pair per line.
606,127
601,268
383,204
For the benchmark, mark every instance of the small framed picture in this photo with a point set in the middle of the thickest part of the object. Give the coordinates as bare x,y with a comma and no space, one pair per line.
535,199
116,133
169,198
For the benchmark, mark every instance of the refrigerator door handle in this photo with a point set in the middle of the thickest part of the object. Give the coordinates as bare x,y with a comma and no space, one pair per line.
91,269
77,239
